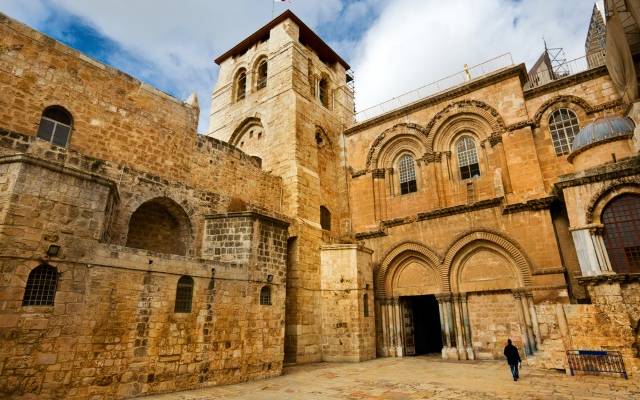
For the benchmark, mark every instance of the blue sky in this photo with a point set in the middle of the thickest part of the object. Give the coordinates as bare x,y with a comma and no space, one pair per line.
392,45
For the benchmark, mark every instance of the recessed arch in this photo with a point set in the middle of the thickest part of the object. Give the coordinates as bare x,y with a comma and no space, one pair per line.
629,184
400,257
492,240
160,225
564,101
405,136
244,127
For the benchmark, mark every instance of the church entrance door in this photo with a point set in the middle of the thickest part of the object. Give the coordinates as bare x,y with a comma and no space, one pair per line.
422,331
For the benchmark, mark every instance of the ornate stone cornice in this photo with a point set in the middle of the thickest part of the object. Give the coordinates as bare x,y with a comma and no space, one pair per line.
609,278
565,82
443,212
530,205
370,234
601,173
360,172
378,173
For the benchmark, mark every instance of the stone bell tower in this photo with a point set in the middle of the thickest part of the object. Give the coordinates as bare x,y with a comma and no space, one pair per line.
283,96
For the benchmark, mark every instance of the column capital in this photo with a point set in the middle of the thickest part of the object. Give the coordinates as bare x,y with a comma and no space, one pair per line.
518,293
443,297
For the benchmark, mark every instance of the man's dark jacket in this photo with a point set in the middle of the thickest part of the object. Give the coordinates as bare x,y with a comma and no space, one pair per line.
511,352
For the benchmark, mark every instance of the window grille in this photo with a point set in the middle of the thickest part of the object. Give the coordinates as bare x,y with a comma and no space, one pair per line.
184,294
241,85
407,172
563,124
55,126
41,286
262,75
265,296
325,218
467,158
621,219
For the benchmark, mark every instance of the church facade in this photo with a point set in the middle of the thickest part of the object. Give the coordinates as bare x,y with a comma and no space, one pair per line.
140,257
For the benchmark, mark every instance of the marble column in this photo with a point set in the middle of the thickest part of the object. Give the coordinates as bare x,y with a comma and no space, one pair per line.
534,320
523,322
462,352
527,318
467,326
384,323
444,324
399,323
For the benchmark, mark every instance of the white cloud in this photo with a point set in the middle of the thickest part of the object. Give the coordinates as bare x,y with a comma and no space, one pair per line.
415,42
411,43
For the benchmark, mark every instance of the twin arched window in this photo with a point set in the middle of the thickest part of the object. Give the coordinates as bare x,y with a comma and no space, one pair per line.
41,286
184,294
55,126
407,173
261,75
563,124
241,84
467,158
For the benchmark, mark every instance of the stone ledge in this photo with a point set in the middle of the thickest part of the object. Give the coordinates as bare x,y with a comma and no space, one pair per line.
610,278
530,205
278,220
622,168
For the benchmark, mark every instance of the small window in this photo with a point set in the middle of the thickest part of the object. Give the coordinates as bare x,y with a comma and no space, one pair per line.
55,126
407,172
563,124
323,92
365,299
41,286
265,296
241,85
262,75
325,218
467,158
184,294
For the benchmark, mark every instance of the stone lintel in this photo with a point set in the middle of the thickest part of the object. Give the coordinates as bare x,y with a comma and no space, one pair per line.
280,220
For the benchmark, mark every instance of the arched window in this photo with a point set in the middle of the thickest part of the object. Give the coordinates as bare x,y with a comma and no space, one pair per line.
261,82
265,296
365,299
407,173
323,92
467,158
241,85
41,286
184,294
563,124
621,219
325,218
55,126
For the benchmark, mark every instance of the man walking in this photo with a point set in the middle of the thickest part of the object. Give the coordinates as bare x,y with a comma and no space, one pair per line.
513,358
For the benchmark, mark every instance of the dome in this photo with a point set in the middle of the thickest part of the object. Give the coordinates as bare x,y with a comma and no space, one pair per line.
600,130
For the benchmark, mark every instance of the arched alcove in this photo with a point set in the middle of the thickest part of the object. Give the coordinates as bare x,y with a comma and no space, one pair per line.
159,225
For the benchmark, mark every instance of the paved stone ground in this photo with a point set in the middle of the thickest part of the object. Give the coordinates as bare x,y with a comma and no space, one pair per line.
418,378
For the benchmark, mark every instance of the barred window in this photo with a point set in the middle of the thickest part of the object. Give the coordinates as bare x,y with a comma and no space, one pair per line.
407,172
41,286
563,124
262,75
325,218
241,85
265,296
467,158
621,219
365,299
184,294
55,126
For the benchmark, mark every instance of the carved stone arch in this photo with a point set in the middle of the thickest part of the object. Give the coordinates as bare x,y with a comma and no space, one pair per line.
501,243
388,135
629,184
327,142
384,273
564,101
473,107
454,127
244,127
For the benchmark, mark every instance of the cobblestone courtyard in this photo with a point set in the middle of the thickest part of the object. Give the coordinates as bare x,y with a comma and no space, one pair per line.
418,378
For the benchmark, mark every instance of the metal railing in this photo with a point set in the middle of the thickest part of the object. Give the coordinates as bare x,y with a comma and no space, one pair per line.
459,78
596,362
568,68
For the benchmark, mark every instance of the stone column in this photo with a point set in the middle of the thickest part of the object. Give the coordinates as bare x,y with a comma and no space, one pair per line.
601,250
523,322
467,326
379,193
397,310
527,318
592,254
444,324
462,353
384,328
534,320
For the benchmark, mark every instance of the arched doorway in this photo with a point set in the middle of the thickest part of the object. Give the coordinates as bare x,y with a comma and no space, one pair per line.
621,220
159,225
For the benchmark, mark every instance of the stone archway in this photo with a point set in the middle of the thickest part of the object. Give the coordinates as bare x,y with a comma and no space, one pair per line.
159,225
